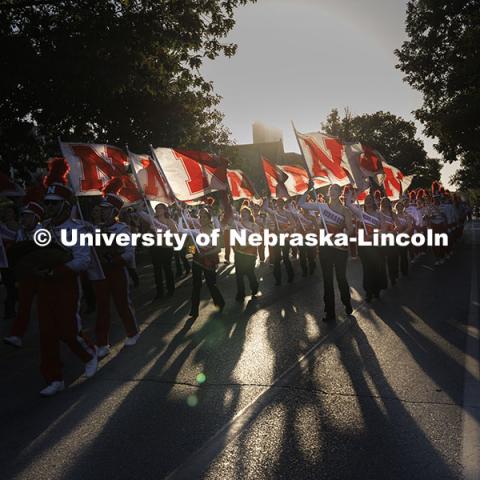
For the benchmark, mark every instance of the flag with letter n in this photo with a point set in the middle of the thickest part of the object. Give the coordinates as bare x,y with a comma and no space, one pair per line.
93,165
191,174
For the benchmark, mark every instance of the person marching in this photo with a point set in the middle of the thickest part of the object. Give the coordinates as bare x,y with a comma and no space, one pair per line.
437,221
373,263
279,222
447,208
116,285
162,256
337,219
31,216
403,224
390,252
59,287
305,223
260,220
245,256
205,262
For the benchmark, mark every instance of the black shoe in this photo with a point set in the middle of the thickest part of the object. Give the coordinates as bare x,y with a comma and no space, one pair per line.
254,291
348,310
368,298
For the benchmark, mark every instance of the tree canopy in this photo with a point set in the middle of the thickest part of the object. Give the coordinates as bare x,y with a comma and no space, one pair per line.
441,59
113,71
393,136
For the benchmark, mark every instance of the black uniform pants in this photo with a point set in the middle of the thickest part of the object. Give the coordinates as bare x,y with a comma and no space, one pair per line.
245,267
278,254
181,258
211,280
391,256
331,259
307,260
373,263
162,267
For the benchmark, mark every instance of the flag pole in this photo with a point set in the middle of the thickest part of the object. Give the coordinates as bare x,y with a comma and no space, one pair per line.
82,218
308,172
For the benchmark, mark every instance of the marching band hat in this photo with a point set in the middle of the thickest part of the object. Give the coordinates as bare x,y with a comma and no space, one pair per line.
35,208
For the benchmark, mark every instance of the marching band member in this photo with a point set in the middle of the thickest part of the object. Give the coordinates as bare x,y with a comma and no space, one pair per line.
205,262
415,215
373,263
279,222
447,208
245,256
30,219
337,219
59,291
390,252
260,220
403,224
305,223
162,256
116,285
437,222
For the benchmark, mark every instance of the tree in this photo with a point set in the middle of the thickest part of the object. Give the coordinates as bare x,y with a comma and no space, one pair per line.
393,136
113,71
441,59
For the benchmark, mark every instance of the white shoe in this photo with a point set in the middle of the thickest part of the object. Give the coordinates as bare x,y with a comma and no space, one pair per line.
91,366
131,341
437,263
53,388
13,341
103,351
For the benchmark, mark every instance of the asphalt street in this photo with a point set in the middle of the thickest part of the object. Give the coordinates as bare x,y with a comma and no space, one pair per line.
265,390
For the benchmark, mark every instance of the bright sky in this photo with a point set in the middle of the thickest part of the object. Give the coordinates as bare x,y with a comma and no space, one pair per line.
298,59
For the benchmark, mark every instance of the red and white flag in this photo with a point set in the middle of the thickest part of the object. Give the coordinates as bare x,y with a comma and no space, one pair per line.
361,162
275,178
297,181
150,178
192,174
395,183
93,165
240,185
324,156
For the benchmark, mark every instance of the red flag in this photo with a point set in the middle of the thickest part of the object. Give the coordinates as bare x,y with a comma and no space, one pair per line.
191,174
93,165
297,181
240,185
276,179
150,178
395,182
324,156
